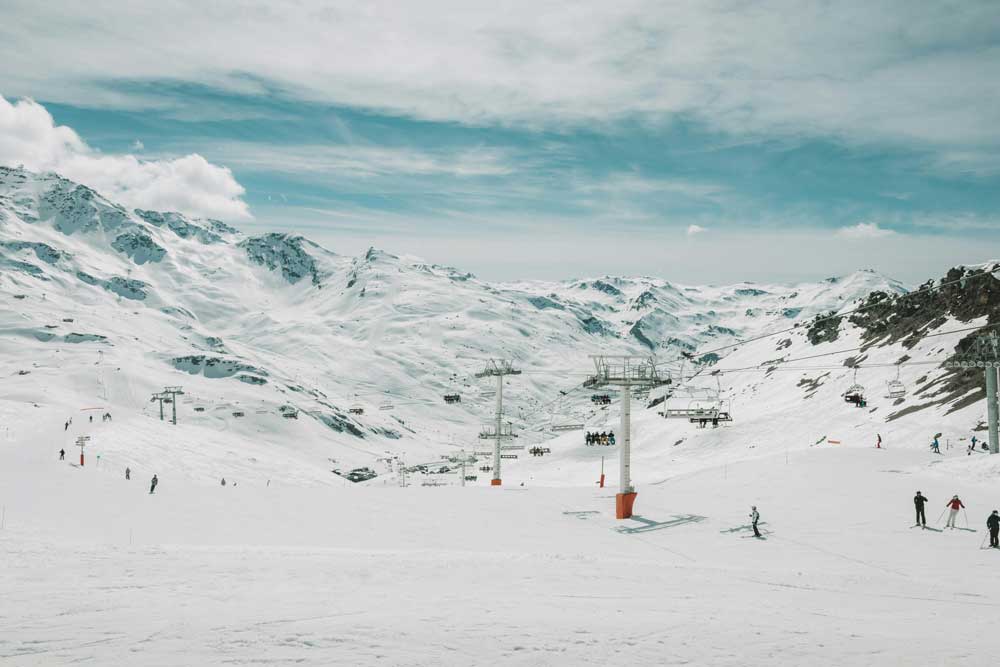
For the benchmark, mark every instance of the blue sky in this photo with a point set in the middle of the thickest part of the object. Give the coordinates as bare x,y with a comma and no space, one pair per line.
703,143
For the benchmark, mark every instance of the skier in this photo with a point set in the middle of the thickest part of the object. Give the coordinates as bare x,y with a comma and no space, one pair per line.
62,454
878,442
754,518
973,442
918,502
152,484
128,473
66,426
936,446
955,504
223,481
91,419
993,523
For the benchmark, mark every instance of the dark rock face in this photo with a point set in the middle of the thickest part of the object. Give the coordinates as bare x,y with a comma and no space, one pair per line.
139,247
128,288
185,228
22,267
77,208
636,331
282,252
593,325
824,329
340,424
216,367
644,300
605,287
544,303
43,251
84,338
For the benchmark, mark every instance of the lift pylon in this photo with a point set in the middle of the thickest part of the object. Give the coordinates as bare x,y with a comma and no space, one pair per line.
498,368
985,354
627,372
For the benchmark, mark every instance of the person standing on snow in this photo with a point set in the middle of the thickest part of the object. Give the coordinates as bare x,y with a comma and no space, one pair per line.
223,481
152,484
62,454
936,446
128,473
878,442
955,504
918,502
993,523
754,518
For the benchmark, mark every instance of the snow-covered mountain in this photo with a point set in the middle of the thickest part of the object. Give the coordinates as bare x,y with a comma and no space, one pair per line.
105,306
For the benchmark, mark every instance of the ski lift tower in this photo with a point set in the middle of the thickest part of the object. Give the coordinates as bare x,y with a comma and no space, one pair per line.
160,396
173,392
498,368
627,372
985,354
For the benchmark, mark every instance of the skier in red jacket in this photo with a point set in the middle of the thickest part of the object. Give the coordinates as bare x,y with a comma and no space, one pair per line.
955,504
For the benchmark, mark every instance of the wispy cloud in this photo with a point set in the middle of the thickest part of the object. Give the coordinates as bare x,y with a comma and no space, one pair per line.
365,161
694,230
864,230
863,73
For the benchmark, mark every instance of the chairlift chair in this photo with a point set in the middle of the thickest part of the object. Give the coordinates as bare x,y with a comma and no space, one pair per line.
895,388
855,394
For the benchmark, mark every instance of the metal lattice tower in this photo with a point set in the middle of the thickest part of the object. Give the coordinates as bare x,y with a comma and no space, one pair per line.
627,372
173,392
160,396
985,354
498,368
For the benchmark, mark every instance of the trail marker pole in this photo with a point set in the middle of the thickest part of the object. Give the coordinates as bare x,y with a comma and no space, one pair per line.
81,442
601,483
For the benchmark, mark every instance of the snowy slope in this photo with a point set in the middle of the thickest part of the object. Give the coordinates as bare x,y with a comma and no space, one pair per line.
107,306
99,570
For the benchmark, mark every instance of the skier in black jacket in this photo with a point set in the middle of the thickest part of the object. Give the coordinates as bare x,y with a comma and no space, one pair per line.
993,523
918,501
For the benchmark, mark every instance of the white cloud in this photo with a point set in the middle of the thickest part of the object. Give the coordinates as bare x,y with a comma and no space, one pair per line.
189,184
913,73
864,230
137,145
364,161
694,230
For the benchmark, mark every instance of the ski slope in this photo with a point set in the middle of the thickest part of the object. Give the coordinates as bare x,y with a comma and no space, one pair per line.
98,570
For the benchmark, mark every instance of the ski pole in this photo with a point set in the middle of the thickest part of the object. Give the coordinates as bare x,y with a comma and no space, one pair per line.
964,514
941,517
983,544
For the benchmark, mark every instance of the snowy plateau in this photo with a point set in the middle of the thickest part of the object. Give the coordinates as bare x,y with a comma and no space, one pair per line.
314,384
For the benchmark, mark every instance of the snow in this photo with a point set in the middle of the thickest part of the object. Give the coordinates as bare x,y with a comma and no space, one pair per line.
99,570
296,564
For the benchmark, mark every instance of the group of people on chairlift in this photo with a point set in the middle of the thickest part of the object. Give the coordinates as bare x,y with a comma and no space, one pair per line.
602,438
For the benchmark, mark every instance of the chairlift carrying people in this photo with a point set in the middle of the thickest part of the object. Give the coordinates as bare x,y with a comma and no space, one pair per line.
855,394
